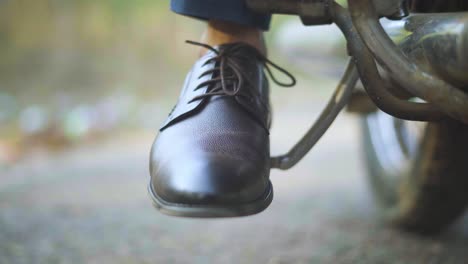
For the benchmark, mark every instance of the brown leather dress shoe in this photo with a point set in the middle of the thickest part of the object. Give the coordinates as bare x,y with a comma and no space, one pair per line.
212,155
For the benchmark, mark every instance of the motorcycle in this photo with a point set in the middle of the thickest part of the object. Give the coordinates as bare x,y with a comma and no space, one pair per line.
413,71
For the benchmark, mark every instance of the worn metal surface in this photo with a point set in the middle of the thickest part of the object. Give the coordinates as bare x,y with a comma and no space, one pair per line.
376,88
422,84
374,85
312,12
315,12
394,9
438,43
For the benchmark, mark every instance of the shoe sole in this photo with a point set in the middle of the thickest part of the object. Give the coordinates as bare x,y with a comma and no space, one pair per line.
207,211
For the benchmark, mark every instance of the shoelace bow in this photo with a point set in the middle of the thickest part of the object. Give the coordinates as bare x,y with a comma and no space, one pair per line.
220,85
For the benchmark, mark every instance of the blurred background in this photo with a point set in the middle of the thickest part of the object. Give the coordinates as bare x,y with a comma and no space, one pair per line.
84,86
72,71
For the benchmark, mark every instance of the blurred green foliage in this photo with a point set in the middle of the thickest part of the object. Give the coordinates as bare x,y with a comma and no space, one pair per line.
74,68
70,68
88,47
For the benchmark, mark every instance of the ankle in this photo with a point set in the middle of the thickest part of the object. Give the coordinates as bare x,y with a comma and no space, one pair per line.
220,32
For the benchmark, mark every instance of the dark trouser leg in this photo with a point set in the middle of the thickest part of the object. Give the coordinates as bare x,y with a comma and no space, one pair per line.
234,11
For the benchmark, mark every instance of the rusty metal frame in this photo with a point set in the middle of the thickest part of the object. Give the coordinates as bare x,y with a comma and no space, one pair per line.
315,12
425,85
369,46
437,42
372,81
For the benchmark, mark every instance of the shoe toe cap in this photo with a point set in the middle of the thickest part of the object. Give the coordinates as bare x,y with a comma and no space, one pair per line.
208,179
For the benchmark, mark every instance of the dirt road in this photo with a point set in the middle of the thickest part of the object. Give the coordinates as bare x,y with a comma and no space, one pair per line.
90,205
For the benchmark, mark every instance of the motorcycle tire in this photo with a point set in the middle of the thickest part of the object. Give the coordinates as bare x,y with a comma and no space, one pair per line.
418,171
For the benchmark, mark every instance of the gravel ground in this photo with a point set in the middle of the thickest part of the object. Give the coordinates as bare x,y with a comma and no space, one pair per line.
90,205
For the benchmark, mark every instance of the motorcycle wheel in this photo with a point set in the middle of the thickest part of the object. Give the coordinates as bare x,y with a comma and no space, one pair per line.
418,171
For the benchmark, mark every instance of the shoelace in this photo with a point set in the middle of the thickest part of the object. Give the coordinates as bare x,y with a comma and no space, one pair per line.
220,85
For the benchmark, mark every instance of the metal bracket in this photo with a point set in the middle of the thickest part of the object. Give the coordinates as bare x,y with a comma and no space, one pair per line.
319,12
312,12
369,44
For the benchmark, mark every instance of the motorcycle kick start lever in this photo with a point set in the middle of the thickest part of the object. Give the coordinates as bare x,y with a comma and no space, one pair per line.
338,101
366,37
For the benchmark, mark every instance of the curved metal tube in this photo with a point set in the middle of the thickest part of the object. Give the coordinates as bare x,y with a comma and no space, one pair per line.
338,101
448,98
372,81
436,42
